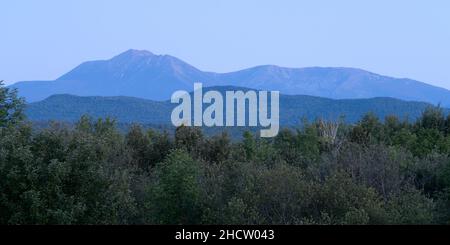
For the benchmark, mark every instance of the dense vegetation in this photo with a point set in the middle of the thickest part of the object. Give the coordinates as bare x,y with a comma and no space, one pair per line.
372,172
293,108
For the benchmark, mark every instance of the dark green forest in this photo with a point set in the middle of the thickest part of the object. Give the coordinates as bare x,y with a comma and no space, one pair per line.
375,171
293,108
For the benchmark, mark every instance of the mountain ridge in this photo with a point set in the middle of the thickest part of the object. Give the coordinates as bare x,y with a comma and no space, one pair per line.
293,108
143,74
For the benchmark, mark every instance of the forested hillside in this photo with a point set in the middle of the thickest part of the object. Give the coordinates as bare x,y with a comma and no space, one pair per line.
293,108
373,172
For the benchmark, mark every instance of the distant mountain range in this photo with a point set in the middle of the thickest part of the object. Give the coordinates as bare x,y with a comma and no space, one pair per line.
293,108
143,74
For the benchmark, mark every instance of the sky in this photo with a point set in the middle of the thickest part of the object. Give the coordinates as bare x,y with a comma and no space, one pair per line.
42,40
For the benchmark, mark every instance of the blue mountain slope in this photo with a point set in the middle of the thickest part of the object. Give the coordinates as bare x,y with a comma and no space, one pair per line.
146,75
337,83
133,73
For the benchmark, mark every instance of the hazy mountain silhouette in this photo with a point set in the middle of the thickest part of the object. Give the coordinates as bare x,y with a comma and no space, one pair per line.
146,75
133,73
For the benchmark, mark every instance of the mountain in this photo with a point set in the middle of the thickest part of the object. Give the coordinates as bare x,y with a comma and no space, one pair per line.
143,74
133,73
337,83
293,108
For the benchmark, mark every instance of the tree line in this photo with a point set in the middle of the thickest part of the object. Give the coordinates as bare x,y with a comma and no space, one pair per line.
388,171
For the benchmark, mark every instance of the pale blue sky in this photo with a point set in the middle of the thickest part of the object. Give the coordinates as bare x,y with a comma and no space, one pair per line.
41,40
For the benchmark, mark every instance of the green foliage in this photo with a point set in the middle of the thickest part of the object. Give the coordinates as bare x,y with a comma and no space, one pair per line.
410,207
174,197
62,177
343,201
11,106
249,145
376,171
189,139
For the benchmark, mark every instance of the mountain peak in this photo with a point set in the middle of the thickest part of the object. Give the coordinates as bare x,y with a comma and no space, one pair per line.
139,52
132,53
